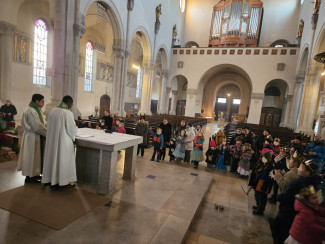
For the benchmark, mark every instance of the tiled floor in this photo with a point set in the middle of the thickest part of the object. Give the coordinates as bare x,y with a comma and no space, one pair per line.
152,210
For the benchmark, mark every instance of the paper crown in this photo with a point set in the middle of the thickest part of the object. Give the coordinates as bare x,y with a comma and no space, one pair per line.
307,191
311,166
159,129
269,138
277,139
200,133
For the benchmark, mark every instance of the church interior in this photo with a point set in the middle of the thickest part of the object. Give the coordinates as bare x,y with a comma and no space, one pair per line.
209,62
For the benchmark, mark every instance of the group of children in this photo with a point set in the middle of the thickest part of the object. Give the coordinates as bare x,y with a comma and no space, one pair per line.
177,146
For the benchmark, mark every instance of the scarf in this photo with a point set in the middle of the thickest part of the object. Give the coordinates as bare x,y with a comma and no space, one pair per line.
63,105
34,106
42,138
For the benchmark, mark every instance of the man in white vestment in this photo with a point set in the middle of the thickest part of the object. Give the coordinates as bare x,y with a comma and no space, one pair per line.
32,148
59,158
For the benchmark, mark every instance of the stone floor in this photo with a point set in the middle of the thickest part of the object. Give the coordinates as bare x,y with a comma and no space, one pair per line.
159,207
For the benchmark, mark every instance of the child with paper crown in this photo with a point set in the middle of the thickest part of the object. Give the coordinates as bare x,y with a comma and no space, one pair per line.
236,151
197,153
180,146
244,162
158,142
276,147
309,224
261,180
172,147
211,154
222,151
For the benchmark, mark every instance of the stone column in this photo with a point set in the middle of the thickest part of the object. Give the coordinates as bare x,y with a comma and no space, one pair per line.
168,89
59,54
118,69
255,108
146,89
163,97
293,113
286,110
190,102
7,47
173,103
321,114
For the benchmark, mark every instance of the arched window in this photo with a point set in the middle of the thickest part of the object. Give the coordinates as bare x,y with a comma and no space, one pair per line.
89,66
40,52
139,83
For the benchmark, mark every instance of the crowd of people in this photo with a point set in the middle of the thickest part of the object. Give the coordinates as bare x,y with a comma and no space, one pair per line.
290,174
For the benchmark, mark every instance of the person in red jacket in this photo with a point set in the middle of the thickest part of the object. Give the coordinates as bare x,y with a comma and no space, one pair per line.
120,128
309,224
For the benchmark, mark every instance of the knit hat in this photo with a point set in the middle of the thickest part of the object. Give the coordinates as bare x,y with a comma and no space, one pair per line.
212,143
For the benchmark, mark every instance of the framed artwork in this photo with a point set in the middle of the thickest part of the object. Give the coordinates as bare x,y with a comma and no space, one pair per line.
131,80
105,72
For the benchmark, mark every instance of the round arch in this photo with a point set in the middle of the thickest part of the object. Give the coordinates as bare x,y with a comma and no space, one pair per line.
145,40
165,57
303,62
114,17
220,76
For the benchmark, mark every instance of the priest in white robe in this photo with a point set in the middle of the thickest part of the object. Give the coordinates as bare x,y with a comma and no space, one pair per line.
59,158
32,148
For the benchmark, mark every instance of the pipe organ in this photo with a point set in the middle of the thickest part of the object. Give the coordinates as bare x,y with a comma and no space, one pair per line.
236,23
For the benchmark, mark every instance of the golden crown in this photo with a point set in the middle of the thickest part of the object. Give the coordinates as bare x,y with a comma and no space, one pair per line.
307,191
310,167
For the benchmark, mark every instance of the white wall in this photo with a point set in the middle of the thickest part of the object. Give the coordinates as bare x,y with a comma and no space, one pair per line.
272,102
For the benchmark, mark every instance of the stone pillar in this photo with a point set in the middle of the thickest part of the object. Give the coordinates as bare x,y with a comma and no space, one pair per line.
168,89
163,96
310,101
118,70
255,108
321,114
173,103
286,110
146,89
6,58
190,102
59,54
293,112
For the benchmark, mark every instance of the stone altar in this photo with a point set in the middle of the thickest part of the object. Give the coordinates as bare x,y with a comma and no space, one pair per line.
96,157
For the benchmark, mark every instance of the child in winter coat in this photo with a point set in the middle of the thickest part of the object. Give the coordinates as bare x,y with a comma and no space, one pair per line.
180,146
120,128
267,146
236,151
309,224
219,136
276,147
158,143
222,151
261,181
279,164
197,153
172,147
211,155
244,162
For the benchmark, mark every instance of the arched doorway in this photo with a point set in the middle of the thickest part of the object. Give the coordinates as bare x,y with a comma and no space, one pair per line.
273,103
105,103
221,76
178,95
227,102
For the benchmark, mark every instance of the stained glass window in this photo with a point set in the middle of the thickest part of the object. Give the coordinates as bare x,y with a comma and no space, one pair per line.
139,84
40,52
89,66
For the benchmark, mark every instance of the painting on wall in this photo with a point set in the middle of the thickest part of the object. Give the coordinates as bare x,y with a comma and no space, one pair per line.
22,49
105,72
131,80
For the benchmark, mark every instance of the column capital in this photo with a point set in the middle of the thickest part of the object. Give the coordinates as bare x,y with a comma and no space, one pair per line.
174,92
7,27
119,51
168,89
258,96
300,79
79,29
164,74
